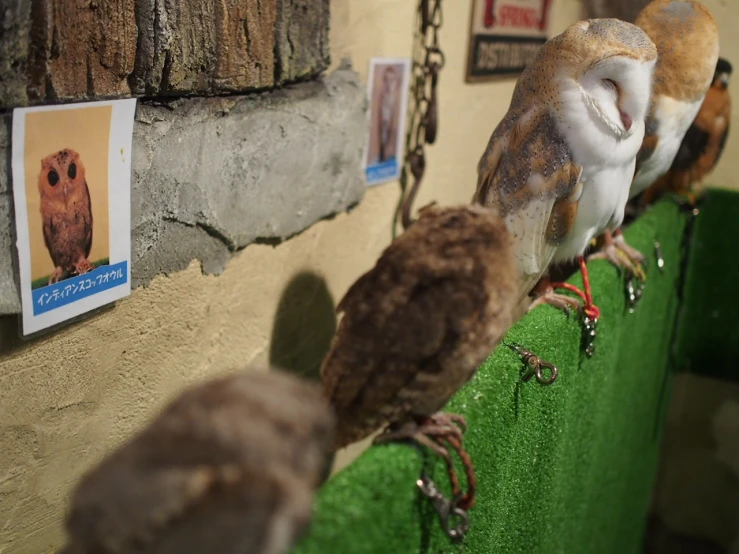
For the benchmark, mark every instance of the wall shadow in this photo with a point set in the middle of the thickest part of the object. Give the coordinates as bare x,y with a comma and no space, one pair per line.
304,324
10,339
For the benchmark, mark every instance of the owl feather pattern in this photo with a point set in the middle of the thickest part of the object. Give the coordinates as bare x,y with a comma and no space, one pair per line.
417,325
229,466
559,165
66,213
686,36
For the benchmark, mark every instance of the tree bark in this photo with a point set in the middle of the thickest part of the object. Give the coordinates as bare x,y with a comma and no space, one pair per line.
72,50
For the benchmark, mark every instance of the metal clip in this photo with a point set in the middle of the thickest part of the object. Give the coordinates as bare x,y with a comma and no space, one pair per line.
634,292
588,335
432,115
535,366
658,254
445,508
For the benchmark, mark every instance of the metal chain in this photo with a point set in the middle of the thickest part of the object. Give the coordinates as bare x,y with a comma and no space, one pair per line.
428,60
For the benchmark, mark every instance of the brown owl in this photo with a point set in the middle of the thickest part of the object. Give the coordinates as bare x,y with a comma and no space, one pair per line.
229,466
416,326
66,213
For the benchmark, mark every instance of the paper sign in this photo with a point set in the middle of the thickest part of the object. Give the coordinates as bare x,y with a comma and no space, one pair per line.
72,191
505,36
388,93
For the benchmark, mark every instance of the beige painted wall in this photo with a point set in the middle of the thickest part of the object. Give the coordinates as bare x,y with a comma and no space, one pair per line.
67,399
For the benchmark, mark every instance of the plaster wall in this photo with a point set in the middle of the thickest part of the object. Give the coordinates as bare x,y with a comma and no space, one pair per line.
69,398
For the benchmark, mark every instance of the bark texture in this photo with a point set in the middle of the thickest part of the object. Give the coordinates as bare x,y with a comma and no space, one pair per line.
71,50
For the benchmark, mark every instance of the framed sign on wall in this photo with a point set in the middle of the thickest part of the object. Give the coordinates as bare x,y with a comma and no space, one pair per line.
505,36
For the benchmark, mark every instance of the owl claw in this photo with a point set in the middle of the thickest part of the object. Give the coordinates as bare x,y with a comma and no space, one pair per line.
440,424
623,256
83,266
56,276
432,432
561,301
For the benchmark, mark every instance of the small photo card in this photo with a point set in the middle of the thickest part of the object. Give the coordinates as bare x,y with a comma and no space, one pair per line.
72,191
389,80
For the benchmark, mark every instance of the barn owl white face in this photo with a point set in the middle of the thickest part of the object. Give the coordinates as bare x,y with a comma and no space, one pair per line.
617,93
605,108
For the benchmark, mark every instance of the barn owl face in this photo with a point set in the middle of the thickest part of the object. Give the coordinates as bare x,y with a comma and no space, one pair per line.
604,76
60,174
616,92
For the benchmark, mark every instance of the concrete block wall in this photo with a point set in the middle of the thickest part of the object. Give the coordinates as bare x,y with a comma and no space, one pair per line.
216,165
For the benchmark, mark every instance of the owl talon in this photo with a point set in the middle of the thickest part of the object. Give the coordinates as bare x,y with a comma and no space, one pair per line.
439,425
83,266
560,301
56,276
623,257
450,421
431,433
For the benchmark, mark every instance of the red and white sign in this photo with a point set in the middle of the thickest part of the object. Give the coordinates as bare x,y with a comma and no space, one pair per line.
506,35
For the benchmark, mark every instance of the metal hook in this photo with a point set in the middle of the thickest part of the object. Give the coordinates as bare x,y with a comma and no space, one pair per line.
445,508
634,292
658,254
535,366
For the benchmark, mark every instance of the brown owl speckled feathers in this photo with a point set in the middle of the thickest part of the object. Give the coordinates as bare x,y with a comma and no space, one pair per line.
66,213
416,326
229,467
702,145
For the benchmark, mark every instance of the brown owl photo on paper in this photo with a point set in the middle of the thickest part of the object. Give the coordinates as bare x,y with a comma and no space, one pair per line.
66,213
72,197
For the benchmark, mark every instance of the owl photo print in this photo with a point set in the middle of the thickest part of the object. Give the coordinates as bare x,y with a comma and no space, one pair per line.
71,176
388,91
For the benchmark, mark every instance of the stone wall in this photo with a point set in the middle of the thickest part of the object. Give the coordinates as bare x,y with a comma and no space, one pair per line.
238,136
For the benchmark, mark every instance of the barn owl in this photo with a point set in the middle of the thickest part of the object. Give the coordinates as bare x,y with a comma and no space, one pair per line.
702,145
66,213
416,327
229,466
687,41
559,164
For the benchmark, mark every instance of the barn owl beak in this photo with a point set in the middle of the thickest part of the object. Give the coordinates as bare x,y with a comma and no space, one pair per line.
626,120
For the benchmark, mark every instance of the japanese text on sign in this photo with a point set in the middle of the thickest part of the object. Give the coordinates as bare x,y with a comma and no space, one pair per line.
75,288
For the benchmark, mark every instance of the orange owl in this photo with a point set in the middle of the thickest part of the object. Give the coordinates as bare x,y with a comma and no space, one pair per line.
66,213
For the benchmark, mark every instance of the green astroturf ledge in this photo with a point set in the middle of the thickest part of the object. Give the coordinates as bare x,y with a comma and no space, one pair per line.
566,468
708,332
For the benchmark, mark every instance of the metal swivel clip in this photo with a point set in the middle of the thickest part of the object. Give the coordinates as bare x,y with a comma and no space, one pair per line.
445,508
535,366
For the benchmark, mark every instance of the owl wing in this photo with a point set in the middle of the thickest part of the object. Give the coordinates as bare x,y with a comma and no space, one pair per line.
87,218
48,229
528,173
720,109
693,146
394,325
649,143
705,139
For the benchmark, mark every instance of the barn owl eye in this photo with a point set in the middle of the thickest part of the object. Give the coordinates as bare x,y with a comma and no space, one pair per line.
72,170
53,177
610,84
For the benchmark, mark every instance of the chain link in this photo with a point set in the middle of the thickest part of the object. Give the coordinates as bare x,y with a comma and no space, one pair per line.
428,61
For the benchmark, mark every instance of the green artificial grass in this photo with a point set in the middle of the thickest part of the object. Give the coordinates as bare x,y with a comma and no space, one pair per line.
566,468
708,332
